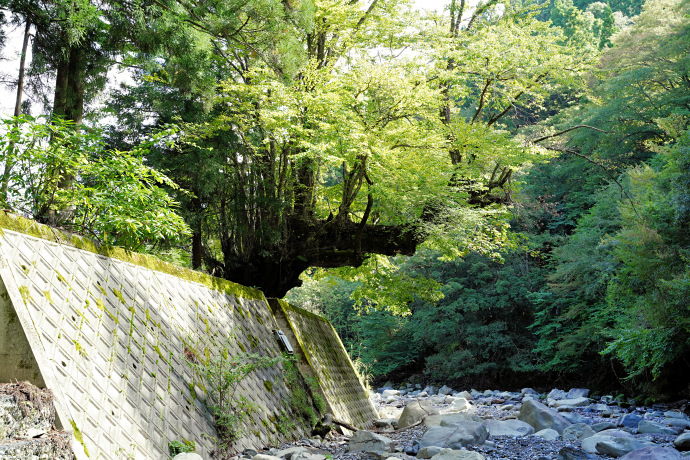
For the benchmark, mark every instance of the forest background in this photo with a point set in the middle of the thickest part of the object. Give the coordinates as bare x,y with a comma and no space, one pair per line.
495,195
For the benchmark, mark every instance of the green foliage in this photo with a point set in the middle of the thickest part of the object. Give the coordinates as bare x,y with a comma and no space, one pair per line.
476,330
222,374
653,284
112,195
177,447
572,318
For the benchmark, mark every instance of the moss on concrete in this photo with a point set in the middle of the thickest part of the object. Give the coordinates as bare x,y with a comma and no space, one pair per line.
29,227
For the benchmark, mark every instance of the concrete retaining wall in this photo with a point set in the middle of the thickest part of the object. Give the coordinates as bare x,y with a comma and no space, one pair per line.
109,333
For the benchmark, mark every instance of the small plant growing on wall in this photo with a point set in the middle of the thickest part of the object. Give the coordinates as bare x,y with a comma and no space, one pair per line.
222,375
178,447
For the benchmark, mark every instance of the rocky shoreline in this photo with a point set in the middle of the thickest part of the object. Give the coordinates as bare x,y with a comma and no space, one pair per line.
442,424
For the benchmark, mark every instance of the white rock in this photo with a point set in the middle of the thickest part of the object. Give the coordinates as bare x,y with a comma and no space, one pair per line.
195,456
548,434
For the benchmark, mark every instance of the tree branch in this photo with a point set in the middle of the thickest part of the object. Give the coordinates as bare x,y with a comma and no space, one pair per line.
599,165
568,130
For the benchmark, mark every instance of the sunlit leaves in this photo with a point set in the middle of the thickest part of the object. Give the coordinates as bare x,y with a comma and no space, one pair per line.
113,196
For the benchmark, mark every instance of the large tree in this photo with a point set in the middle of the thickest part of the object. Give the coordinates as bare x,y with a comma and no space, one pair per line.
325,132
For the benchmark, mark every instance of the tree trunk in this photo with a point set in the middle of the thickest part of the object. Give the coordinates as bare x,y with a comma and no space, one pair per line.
17,111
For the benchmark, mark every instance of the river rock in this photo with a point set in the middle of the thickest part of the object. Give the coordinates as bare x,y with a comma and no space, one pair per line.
677,423
548,434
577,402
601,426
630,420
460,435
366,441
556,394
445,390
257,457
428,452
461,405
450,454
289,452
386,393
464,394
572,453
646,426
450,419
577,393
414,412
541,417
577,432
308,456
618,447
509,427
589,445
193,456
652,453
574,417
682,442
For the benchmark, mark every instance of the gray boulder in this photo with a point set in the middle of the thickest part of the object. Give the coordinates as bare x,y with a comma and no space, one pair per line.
528,391
677,423
577,432
288,453
366,441
652,453
541,417
445,390
617,447
308,456
414,412
464,394
556,394
675,414
577,393
589,445
574,417
682,442
449,419
455,437
461,405
630,420
548,434
450,454
572,453
615,433
601,426
428,452
577,402
508,427
645,426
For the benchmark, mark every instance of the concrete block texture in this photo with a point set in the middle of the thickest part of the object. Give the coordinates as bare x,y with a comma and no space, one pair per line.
112,338
330,362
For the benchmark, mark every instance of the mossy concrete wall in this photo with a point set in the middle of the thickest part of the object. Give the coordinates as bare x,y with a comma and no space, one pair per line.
329,360
109,332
